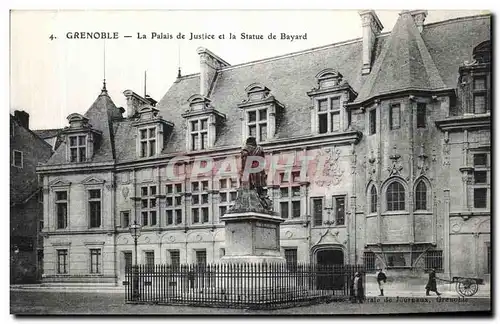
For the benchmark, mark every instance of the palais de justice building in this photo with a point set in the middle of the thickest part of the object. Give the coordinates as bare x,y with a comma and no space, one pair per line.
397,124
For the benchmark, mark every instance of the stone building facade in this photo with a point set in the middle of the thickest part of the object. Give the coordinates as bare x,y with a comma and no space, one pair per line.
26,216
378,153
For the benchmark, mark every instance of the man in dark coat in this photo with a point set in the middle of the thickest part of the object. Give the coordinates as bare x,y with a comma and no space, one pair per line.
381,279
431,283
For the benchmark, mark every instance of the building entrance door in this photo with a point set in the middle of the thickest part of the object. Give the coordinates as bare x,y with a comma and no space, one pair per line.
330,270
126,263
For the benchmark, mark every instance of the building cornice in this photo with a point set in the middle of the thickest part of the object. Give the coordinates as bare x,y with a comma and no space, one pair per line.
400,93
464,122
280,144
75,167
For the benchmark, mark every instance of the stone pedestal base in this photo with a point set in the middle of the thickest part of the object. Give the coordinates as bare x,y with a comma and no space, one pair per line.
252,238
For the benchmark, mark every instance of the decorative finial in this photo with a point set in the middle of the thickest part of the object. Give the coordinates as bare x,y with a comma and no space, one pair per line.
179,73
104,90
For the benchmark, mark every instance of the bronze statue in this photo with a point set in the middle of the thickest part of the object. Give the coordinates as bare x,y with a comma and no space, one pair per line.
258,180
252,196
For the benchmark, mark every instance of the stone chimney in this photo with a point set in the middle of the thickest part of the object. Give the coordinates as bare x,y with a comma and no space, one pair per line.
23,118
209,64
134,102
419,18
371,29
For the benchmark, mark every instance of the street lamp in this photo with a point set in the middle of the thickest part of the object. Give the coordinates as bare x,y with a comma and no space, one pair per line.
135,231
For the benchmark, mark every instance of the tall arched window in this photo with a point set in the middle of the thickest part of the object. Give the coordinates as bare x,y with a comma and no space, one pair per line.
421,196
373,200
395,196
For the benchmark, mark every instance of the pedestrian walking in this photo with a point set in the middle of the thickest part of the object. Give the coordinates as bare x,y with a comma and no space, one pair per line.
381,280
431,283
358,288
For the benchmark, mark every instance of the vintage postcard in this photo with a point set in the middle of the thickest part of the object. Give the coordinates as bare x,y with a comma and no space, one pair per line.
258,162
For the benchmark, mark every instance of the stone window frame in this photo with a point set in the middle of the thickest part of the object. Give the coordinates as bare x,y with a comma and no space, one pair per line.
335,208
174,207
201,144
170,259
147,140
200,205
428,195
257,123
290,198
56,204
122,218
14,159
230,190
149,209
145,254
372,118
392,106
370,198
313,220
99,266
483,92
78,146
383,194
89,210
291,264
195,252
481,168
421,106
66,261
329,112
259,97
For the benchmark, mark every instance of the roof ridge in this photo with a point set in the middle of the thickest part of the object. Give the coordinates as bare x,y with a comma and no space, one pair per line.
297,53
451,20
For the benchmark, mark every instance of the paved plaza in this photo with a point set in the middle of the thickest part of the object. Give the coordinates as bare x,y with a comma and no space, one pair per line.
91,303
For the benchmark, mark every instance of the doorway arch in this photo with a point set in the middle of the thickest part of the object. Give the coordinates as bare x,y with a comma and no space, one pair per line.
328,254
329,260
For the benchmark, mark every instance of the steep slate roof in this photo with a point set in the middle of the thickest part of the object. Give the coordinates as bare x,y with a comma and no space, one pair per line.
47,133
404,64
403,59
101,115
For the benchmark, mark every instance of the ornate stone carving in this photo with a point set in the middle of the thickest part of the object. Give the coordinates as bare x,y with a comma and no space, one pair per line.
422,165
125,192
330,174
396,167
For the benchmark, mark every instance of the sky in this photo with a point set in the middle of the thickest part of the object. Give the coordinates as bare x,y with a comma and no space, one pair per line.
52,77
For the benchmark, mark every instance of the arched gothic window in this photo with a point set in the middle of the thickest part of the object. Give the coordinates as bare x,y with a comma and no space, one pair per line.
395,197
421,196
373,200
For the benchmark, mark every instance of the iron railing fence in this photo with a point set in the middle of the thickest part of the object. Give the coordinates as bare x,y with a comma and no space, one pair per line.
239,285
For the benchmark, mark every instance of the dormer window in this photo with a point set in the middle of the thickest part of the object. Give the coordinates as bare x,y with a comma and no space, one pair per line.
152,131
148,141
328,114
199,134
257,124
80,139
479,94
260,113
78,148
203,123
475,81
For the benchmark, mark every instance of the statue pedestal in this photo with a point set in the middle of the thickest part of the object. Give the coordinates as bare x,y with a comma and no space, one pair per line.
252,231
252,238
